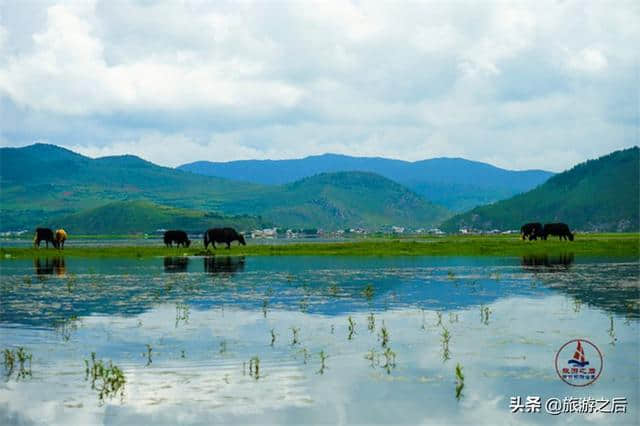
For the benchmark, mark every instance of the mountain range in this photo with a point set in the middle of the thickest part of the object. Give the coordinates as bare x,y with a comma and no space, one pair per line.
454,183
49,185
597,195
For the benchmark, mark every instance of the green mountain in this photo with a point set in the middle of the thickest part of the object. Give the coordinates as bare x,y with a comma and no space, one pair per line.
126,217
41,182
455,183
598,195
343,199
46,184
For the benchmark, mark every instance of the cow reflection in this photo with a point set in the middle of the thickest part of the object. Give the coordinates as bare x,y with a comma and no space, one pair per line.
223,264
49,266
544,260
176,264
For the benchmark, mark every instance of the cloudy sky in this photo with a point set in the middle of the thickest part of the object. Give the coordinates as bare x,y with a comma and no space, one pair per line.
517,84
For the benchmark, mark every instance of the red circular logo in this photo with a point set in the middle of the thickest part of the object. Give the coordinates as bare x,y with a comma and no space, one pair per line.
579,362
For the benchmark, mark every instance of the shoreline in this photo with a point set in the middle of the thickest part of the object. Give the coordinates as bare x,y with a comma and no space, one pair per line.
473,245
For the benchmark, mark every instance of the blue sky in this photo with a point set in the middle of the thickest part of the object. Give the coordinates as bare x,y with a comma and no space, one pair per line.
540,84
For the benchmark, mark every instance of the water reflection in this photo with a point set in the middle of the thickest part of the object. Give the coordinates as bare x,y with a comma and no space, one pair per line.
49,265
223,264
410,350
537,260
176,264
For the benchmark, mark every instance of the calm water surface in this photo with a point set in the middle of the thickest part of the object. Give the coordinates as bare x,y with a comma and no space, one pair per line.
334,339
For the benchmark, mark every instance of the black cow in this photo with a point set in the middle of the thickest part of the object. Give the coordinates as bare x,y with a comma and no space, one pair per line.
559,229
532,230
178,237
43,234
222,235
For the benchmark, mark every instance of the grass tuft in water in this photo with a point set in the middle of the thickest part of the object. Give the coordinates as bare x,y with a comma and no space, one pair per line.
294,337
369,291
273,336
110,378
352,327
445,336
323,358
484,314
149,349
390,360
254,367
459,381
384,335
371,323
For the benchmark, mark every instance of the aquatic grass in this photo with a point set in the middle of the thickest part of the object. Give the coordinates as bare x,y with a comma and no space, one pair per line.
223,347
294,336
273,336
149,350
485,312
369,291
109,377
67,327
445,337
372,357
612,332
459,381
390,360
323,357
371,323
22,356
254,367
384,335
182,314
9,361
439,316
351,327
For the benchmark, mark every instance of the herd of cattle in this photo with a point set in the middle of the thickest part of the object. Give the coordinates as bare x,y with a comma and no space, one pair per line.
535,230
180,238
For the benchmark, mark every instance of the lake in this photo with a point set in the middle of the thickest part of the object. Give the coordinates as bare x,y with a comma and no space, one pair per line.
315,339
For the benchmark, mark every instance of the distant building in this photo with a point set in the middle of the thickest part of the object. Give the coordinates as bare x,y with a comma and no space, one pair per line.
264,233
397,229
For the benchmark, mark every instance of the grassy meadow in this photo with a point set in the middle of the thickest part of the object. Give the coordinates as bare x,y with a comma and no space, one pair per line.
618,244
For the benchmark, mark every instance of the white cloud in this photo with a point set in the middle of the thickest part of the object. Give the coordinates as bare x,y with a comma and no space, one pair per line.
484,80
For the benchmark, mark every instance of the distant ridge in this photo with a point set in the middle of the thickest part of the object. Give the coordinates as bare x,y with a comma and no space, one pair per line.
455,183
45,184
597,195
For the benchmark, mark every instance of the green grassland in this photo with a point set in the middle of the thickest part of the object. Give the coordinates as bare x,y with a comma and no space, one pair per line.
618,244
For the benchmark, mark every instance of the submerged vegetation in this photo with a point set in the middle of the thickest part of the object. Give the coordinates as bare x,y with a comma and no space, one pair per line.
108,380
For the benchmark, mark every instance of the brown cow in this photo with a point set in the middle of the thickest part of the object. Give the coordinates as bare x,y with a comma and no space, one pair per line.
59,239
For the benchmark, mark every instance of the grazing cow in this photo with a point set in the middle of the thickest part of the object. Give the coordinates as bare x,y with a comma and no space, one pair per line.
43,234
559,229
532,230
222,235
60,237
179,237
